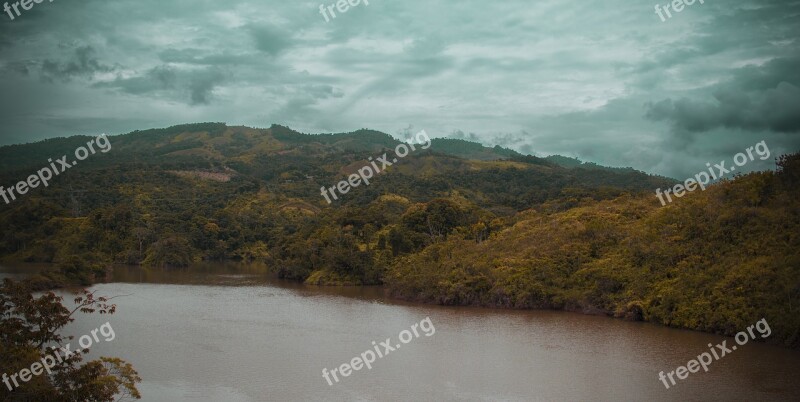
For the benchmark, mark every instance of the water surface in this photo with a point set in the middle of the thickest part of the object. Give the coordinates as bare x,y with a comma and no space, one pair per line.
220,332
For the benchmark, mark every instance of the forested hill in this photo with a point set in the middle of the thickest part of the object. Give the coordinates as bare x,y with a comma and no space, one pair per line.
209,191
458,223
294,165
221,143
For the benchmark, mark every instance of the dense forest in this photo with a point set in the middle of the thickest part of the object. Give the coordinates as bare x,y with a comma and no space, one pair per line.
458,223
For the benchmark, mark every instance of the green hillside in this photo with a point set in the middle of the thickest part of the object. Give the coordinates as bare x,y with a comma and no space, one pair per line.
715,261
458,223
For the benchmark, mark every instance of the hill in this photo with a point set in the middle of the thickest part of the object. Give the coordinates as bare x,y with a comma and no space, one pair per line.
717,261
457,223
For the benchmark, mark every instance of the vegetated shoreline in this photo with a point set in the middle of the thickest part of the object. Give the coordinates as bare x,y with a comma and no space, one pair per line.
40,282
520,233
43,281
573,309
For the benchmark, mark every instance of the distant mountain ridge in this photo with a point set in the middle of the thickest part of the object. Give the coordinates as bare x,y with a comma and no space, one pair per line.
217,140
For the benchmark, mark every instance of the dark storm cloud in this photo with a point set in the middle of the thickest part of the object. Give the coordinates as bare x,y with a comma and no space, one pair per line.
82,63
322,91
156,79
604,81
201,85
750,28
304,100
756,98
77,62
192,86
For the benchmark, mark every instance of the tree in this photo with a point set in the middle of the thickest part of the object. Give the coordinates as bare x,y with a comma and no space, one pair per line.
29,333
436,219
169,251
141,234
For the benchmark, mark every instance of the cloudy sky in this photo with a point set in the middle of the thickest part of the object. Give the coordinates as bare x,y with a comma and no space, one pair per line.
605,81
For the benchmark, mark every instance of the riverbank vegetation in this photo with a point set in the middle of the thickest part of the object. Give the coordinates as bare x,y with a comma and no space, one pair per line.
458,224
30,339
715,261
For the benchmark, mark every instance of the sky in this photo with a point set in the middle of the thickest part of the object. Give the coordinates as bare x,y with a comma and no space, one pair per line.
605,81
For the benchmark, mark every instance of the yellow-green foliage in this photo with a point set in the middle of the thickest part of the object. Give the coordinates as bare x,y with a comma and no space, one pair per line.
518,233
714,261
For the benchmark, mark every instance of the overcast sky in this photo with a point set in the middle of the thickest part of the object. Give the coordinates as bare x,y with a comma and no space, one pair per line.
605,81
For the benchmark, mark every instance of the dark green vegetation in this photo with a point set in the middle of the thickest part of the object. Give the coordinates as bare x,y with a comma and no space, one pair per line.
456,224
29,337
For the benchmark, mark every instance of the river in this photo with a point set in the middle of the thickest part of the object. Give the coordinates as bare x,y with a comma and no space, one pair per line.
228,332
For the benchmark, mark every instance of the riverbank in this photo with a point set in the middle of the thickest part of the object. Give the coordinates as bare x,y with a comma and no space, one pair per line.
273,337
50,277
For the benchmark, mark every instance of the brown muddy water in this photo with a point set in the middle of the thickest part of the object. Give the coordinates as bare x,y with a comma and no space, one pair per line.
228,332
